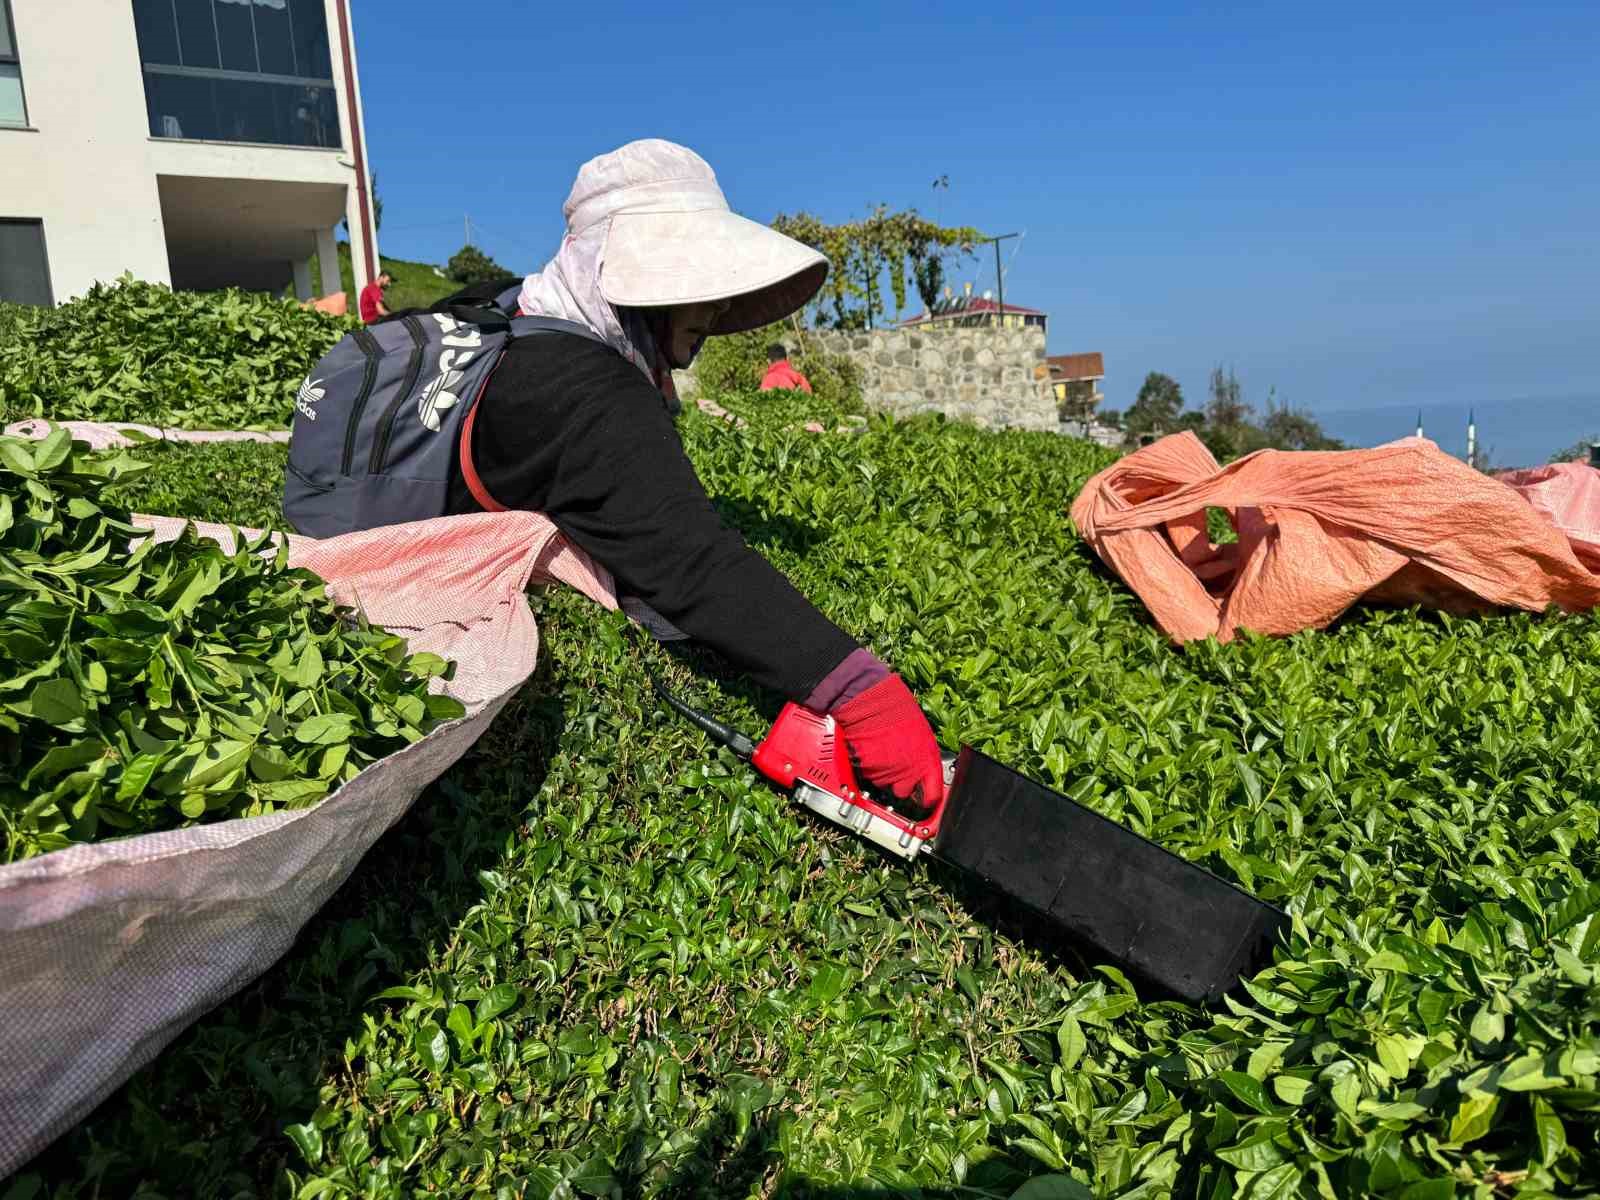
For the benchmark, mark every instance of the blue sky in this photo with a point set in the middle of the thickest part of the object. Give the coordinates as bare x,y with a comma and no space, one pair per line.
1357,205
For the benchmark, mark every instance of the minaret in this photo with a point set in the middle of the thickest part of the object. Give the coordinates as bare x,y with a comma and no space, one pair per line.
1472,440
1419,422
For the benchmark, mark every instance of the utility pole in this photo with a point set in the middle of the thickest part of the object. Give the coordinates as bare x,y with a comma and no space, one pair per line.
466,222
999,278
871,278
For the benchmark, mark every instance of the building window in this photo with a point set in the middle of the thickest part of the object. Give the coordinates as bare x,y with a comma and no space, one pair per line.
13,110
24,270
238,71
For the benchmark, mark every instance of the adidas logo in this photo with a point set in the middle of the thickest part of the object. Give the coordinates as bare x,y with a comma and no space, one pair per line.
463,343
438,397
306,398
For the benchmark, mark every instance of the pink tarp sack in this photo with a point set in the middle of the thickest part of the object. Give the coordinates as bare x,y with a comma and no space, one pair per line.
1568,496
109,951
1318,530
106,435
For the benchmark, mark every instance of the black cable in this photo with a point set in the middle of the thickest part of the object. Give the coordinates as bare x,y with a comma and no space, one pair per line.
726,734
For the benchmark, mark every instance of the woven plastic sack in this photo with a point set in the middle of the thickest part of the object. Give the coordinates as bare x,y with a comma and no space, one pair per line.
335,304
1568,496
1401,524
108,951
103,435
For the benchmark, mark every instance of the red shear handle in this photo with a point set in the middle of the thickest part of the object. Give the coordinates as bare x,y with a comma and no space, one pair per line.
806,745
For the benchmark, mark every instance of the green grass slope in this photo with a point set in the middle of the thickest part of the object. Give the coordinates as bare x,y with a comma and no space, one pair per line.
601,958
416,285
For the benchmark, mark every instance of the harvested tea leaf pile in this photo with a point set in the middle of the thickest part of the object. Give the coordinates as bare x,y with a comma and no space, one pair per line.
135,351
601,958
163,684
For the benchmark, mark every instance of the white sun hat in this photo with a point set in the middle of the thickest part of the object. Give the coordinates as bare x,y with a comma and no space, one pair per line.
648,227
673,239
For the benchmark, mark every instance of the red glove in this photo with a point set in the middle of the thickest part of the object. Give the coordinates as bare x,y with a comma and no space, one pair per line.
892,742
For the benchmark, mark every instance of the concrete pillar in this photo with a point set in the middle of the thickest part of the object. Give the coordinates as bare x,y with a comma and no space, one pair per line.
302,278
328,260
363,266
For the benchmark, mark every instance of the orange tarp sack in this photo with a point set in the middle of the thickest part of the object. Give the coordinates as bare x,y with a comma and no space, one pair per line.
335,304
1402,524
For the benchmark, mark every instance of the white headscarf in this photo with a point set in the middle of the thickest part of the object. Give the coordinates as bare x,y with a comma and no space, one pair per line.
569,289
647,228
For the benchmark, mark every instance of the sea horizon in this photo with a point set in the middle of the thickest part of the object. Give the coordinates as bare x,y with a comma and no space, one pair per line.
1522,432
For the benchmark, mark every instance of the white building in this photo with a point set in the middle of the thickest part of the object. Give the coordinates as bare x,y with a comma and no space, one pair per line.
201,143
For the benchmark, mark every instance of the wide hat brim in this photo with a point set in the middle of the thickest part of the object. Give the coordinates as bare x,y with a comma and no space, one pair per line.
655,259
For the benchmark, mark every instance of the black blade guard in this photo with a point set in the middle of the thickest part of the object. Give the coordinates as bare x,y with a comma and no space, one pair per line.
1173,922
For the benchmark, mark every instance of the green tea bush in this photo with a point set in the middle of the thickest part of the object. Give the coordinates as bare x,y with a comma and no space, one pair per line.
730,369
221,482
162,684
135,351
602,958
12,319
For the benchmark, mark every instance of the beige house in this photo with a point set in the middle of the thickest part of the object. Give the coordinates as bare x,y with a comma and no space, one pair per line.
201,143
1077,377
968,311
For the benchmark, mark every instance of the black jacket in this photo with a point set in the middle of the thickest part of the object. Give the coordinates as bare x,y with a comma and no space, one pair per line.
570,428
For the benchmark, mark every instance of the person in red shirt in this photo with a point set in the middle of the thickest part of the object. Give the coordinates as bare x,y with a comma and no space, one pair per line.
780,374
371,303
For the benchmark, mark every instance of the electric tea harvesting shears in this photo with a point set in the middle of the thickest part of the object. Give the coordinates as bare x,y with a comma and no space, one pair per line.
804,753
1096,881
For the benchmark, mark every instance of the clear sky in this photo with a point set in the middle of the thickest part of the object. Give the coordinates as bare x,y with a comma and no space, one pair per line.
1357,205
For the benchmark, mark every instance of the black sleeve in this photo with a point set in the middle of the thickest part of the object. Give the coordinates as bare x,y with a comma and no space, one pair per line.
569,428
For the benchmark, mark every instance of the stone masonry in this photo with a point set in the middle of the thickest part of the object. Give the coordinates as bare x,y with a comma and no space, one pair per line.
996,378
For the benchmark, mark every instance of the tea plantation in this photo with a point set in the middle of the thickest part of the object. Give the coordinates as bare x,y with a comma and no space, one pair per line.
601,958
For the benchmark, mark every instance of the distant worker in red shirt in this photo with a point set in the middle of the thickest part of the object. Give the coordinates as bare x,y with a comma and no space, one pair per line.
372,306
780,374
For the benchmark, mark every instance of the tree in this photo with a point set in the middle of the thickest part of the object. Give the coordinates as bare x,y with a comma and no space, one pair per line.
1157,406
859,251
1577,452
471,265
1226,406
1285,429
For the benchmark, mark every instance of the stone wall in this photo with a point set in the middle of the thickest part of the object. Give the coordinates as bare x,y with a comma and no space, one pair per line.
993,378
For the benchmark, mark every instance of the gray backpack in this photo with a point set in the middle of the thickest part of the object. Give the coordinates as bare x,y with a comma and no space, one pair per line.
378,420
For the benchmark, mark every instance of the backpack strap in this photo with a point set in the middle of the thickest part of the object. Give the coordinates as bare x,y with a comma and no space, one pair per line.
506,301
469,470
523,326
519,327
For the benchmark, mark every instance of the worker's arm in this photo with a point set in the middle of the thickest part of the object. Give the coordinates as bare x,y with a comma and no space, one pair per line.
570,428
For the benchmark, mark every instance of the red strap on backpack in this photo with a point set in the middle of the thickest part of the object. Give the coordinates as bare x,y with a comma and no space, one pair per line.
469,472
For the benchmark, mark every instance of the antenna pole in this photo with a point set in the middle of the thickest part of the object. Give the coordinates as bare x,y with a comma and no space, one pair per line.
999,277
